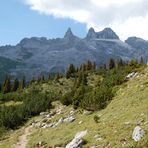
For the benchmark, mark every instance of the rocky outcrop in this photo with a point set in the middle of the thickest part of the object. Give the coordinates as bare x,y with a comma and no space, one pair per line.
107,33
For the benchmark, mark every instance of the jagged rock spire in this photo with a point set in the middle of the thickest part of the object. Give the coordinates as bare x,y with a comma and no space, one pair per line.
91,33
69,33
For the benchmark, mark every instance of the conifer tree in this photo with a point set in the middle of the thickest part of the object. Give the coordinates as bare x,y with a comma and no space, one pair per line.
32,80
84,79
49,77
84,67
71,70
79,80
89,65
94,66
104,66
0,87
15,85
7,85
111,64
42,79
120,63
57,77
22,83
141,61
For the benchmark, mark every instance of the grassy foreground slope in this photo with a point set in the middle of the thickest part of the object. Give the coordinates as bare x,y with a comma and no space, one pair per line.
116,123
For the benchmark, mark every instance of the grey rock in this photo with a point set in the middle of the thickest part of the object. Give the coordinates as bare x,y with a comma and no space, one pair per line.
43,113
77,141
69,119
137,133
131,75
61,120
87,112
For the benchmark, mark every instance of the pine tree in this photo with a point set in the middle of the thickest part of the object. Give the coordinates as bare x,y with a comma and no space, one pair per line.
42,79
120,63
94,66
141,61
89,65
111,64
49,77
84,67
104,66
79,80
15,85
32,80
84,79
23,83
71,70
7,85
0,87
57,77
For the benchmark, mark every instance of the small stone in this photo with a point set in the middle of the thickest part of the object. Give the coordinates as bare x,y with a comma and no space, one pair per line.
137,133
87,112
80,122
126,123
72,112
145,123
99,139
48,116
69,119
61,120
43,113
96,136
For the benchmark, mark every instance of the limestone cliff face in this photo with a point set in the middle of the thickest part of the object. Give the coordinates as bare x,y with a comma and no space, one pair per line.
41,55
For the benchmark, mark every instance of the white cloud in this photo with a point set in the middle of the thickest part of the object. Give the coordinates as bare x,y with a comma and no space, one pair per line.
126,17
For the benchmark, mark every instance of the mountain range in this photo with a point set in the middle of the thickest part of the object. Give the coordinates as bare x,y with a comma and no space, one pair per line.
37,55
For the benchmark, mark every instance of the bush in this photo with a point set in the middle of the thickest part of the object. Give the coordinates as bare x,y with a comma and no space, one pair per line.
67,99
96,118
78,96
12,96
33,103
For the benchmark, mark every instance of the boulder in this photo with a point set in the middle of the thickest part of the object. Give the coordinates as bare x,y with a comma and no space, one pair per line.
131,75
61,120
43,113
77,141
69,119
137,133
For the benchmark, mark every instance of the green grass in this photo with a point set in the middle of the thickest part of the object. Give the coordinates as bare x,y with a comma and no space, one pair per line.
115,125
11,103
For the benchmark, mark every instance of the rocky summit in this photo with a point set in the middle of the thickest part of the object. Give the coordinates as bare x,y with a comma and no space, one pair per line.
34,56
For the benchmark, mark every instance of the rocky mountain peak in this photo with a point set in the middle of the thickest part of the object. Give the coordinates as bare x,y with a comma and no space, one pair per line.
68,33
107,33
91,34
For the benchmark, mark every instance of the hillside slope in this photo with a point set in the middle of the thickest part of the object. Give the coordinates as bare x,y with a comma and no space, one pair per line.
115,124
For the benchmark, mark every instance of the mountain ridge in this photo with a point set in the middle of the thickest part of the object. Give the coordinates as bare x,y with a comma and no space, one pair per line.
41,55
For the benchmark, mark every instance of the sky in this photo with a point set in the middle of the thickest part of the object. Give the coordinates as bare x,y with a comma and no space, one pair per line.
51,18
